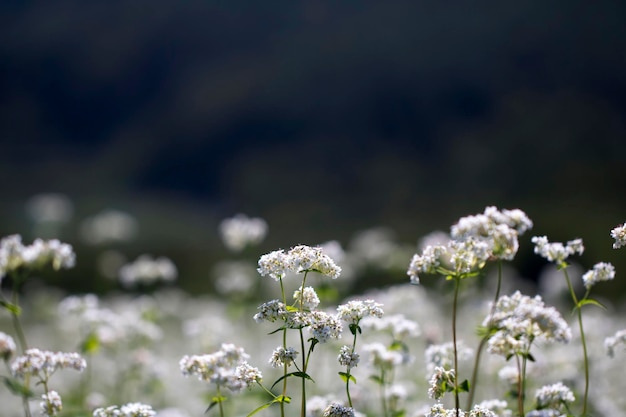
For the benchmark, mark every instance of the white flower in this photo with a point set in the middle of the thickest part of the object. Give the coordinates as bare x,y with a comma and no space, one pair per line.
282,356
41,253
557,252
271,311
353,311
553,396
498,407
50,404
619,234
307,298
348,358
45,363
275,264
619,338
50,207
146,270
338,410
247,374
7,346
241,231
442,355
382,357
480,411
440,381
602,271
426,263
323,326
128,410
109,226
304,258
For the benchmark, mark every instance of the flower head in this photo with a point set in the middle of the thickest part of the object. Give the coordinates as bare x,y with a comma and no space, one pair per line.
7,346
553,396
557,252
45,363
240,231
348,358
307,298
338,410
353,311
227,367
127,410
440,382
147,270
50,404
619,234
304,258
602,271
41,253
619,338
282,356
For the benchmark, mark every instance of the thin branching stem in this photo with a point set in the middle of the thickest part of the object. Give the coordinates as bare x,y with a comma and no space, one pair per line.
457,282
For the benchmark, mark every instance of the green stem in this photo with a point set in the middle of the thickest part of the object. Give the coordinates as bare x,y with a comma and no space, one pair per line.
219,403
383,391
284,394
348,371
305,361
520,400
582,339
481,346
454,343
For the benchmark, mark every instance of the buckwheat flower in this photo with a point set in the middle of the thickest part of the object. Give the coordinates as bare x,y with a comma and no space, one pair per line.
382,357
247,374
282,356
128,410
426,263
240,231
271,311
50,208
400,327
498,407
353,311
15,255
553,396
440,381
468,255
338,410
518,220
304,258
275,264
438,410
505,242
546,412
51,404
602,271
611,342
509,375
7,346
45,363
307,298
619,234
556,251
480,411
146,270
348,358
442,355
218,367
109,226
324,326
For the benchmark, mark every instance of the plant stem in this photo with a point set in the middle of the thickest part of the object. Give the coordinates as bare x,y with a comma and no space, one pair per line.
348,371
520,389
456,360
305,360
582,339
481,346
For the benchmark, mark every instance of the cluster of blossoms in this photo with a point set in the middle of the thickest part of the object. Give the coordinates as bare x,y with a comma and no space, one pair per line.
298,259
619,234
557,252
228,367
353,311
442,355
475,240
553,396
14,255
109,226
146,270
7,346
438,410
383,357
128,410
307,298
602,271
440,382
619,338
281,356
51,404
44,363
400,327
240,231
518,320
338,410
348,358
271,311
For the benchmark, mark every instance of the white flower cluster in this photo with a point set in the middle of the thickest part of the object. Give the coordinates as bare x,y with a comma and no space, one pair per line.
338,410
7,346
226,368
323,326
498,407
519,320
51,404
128,410
475,239
44,363
307,298
271,311
146,270
619,234
240,231
619,338
15,255
440,381
282,356
353,311
383,357
400,327
553,396
442,355
348,358
111,328
602,271
109,226
557,252
438,410
298,259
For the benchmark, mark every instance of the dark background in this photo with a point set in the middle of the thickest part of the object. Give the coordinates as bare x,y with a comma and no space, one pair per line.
324,118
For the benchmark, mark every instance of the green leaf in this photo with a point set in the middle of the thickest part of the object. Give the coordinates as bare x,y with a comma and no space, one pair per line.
91,344
590,301
277,330
399,413
354,328
345,376
12,308
214,401
291,309
465,386
299,374
263,407
16,387
377,379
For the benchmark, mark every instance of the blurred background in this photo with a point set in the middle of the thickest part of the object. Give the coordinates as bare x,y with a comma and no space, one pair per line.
325,119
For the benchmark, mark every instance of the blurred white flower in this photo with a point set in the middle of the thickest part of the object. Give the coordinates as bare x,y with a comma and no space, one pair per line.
14,255
557,252
50,208
602,271
109,226
240,231
50,404
234,277
146,270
